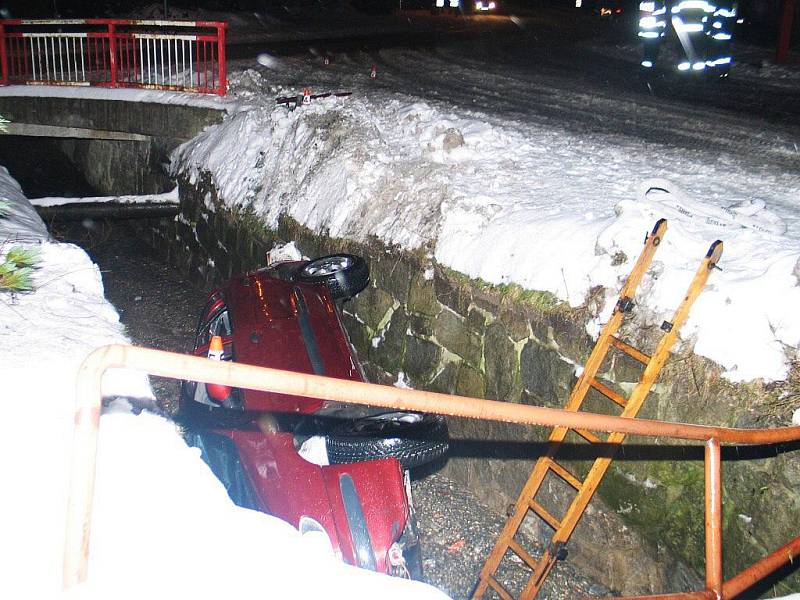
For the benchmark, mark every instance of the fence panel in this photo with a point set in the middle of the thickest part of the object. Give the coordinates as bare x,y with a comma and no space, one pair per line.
165,55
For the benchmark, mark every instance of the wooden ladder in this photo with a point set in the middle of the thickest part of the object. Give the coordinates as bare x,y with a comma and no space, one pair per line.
586,488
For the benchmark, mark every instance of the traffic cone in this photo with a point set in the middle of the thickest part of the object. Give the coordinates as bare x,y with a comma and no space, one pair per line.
216,391
306,96
374,72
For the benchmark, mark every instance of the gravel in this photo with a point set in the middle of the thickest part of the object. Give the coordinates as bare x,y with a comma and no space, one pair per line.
458,533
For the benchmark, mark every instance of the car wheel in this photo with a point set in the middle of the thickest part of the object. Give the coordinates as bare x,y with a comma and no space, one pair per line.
344,274
412,438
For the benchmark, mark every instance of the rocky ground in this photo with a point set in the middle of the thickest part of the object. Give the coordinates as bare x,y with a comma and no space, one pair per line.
159,307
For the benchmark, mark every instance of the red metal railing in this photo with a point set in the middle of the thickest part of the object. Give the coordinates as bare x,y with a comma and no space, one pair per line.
163,55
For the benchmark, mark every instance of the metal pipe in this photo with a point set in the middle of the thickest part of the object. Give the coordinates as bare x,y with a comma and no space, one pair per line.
89,403
713,518
110,210
179,366
760,569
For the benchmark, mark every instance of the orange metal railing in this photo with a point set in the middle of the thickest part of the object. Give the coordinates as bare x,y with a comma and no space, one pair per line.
179,366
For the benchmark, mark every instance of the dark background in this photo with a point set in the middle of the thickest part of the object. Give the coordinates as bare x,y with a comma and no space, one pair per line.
761,16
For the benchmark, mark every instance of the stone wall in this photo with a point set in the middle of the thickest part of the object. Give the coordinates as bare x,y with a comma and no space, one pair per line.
115,167
449,334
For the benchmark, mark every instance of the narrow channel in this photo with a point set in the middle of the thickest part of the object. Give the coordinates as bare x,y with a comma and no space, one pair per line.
156,303
158,306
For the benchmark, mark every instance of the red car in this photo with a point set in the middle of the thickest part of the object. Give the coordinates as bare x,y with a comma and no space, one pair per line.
288,316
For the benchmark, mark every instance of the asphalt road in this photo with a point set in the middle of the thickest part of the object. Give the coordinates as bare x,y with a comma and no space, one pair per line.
558,66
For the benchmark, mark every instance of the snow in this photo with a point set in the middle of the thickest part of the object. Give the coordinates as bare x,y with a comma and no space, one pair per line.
21,223
519,202
161,518
167,198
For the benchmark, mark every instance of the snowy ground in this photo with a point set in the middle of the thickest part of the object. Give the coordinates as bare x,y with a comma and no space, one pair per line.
161,517
513,200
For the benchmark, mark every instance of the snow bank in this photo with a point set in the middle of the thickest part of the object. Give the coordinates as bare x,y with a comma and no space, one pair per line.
163,525
510,202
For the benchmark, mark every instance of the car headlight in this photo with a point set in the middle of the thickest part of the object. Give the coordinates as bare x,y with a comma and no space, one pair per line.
492,5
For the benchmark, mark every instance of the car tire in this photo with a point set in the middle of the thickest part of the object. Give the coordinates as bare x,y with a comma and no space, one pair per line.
386,436
344,274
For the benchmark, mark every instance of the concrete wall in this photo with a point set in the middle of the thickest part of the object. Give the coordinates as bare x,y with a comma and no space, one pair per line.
450,334
115,167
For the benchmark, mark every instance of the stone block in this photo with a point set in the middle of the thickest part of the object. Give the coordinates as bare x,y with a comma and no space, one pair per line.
451,332
453,295
515,321
476,321
572,339
392,274
471,382
445,380
421,360
422,297
420,325
391,346
358,334
372,305
501,364
545,375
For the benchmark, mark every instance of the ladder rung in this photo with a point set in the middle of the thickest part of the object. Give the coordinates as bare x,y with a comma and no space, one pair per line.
498,587
565,475
608,392
542,512
588,436
522,553
634,353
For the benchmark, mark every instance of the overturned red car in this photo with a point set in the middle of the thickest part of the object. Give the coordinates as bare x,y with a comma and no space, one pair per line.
287,316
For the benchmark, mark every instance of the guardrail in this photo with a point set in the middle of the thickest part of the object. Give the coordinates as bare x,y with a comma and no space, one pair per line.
180,366
164,55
